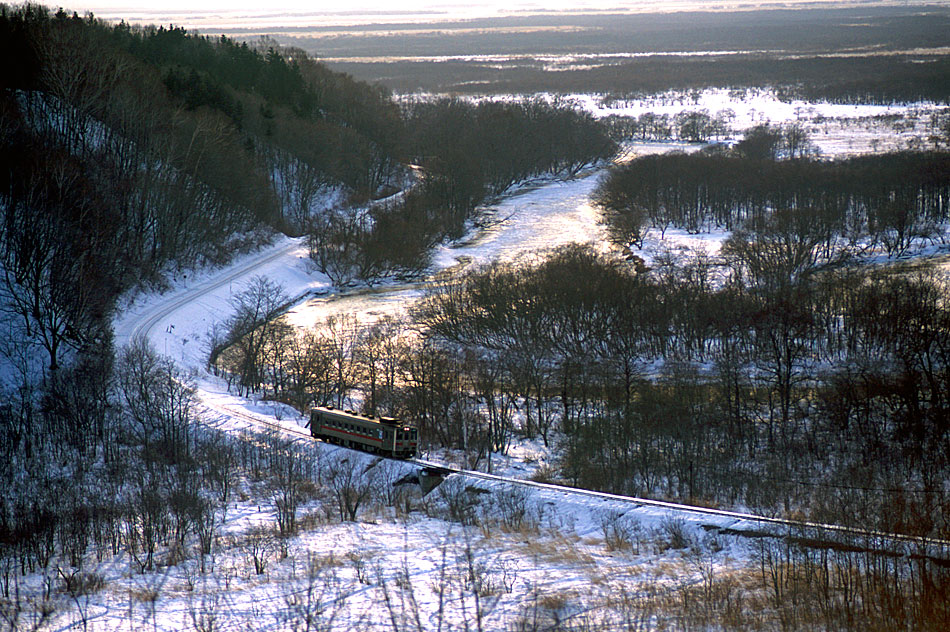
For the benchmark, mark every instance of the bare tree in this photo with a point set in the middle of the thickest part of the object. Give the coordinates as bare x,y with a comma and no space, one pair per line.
350,486
796,143
252,325
309,370
286,481
45,281
79,75
146,523
377,354
625,216
316,605
80,585
339,243
340,337
158,399
259,543
297,185
205,615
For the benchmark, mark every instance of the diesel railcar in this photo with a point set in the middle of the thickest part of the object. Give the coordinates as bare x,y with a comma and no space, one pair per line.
380,435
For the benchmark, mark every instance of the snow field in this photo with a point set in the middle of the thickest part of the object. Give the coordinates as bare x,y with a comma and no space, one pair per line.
436,572
837,129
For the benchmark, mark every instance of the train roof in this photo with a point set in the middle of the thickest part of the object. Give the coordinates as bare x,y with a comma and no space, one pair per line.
349,414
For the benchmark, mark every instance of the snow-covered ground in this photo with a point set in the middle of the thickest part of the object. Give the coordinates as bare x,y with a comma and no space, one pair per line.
568,557
437,574
838,129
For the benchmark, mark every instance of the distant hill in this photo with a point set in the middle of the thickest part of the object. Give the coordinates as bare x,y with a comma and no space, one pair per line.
127,150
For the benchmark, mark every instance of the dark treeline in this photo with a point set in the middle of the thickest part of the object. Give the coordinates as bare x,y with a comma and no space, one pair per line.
490,145
125,151
887,200
465,153
786,386
347,130
845,79
695,126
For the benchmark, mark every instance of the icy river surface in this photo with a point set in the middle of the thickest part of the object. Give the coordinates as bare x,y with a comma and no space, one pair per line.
523,224
542,215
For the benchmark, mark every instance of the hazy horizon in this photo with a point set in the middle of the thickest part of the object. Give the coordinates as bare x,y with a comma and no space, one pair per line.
217,14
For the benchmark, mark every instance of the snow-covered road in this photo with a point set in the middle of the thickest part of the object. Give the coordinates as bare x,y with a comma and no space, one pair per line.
172,321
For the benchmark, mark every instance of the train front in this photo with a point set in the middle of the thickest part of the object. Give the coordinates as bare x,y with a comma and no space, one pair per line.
405,438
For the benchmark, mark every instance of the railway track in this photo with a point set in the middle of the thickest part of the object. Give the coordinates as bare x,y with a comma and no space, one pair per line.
742,524
752,525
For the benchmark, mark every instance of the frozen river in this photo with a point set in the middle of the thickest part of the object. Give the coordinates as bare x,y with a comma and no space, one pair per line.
525,223
546,214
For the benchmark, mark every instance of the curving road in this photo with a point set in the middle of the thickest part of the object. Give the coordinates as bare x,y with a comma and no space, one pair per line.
150,320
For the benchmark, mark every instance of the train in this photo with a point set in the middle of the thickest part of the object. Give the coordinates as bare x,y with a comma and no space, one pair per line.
380,435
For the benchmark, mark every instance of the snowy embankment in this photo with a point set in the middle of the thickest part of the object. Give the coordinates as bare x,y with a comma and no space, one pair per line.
180,323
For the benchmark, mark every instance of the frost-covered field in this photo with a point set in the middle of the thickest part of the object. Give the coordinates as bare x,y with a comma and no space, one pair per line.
458,559
836,129
455,560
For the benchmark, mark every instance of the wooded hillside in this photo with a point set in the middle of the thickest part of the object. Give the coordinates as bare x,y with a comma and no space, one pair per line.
124,151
